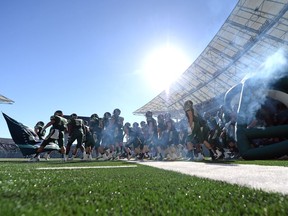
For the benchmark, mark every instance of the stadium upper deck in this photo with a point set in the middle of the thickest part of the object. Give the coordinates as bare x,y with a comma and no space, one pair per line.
253,31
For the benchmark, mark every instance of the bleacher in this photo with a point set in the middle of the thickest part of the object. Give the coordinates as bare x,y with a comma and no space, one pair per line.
8,149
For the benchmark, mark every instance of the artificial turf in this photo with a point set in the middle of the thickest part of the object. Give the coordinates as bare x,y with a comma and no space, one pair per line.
140,190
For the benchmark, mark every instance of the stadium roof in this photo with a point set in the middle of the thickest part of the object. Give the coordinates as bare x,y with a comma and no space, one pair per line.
4,99
253,31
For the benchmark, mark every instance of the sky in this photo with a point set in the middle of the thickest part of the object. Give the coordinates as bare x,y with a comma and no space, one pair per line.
93,56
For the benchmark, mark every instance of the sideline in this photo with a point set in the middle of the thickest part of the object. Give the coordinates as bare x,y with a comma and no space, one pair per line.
266,178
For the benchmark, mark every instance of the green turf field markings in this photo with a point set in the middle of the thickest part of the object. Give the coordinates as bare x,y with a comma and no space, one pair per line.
88,167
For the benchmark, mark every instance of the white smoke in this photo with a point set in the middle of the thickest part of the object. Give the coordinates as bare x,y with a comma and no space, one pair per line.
274,68
260,82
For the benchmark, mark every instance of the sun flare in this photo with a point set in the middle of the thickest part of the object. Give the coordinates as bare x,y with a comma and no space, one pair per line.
163,66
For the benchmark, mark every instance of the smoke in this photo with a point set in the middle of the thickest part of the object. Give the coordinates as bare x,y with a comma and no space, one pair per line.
258,83
273,69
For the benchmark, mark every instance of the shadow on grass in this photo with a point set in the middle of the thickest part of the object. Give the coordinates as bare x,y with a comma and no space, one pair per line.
58,161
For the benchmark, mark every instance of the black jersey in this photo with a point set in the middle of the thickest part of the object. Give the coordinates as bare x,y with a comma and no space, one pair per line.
152,125
59,123
76,124
95,125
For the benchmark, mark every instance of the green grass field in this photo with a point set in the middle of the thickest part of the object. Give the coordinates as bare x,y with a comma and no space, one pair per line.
131,190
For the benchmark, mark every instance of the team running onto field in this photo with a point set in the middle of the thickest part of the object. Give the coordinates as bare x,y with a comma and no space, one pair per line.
195,137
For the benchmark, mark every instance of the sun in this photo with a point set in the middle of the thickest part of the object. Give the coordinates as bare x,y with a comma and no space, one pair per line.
164,65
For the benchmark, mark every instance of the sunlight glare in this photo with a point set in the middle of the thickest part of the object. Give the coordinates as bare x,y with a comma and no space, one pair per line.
163,66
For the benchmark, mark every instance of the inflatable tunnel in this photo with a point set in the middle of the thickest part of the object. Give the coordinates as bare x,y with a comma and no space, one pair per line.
253,94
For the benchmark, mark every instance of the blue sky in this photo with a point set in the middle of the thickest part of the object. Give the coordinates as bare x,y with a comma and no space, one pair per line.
93,56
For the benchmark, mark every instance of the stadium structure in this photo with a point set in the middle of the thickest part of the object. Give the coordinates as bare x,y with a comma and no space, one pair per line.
6,100
252,32
7,146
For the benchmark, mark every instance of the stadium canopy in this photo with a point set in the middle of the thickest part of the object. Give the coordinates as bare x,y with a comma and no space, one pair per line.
253,31
6,100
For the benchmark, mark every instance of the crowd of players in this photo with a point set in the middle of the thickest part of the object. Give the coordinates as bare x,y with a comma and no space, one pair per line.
156,138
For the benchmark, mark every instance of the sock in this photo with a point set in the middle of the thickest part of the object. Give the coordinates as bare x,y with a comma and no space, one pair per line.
212,153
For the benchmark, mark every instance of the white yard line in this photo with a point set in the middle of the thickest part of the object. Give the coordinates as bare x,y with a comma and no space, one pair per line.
266,178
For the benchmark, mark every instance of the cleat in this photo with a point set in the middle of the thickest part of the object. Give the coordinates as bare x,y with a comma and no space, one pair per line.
190,159
34,159
85,158
46,156
140,156
99,157
65,158
105,157
109,156
219,155
199,157
146,156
